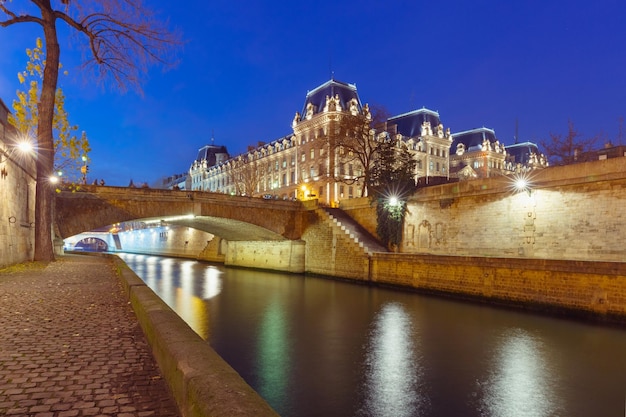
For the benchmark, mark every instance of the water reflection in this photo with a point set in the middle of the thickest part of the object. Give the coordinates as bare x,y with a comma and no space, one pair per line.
314,347
273,354
393,369
521,382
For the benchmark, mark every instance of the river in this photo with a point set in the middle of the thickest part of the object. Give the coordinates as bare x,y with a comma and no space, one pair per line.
319,347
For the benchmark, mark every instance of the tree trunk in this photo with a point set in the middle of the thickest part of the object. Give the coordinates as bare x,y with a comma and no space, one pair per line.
44,250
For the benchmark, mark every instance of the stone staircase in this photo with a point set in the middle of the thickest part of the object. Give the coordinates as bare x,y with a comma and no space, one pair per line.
354,230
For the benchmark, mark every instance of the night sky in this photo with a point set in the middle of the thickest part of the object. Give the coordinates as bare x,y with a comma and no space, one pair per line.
246,67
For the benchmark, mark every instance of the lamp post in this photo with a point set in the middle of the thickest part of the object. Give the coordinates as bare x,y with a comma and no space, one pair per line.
83,169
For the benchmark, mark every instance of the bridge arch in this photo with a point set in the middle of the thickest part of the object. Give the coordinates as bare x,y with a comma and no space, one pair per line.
232,218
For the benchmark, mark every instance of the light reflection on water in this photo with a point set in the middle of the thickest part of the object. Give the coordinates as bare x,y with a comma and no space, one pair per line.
315,347
521,381
274,356
392,366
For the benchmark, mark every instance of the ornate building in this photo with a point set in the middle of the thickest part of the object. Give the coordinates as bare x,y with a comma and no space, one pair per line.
477,153
311,162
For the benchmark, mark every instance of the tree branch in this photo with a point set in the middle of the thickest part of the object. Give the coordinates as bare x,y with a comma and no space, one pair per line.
15,18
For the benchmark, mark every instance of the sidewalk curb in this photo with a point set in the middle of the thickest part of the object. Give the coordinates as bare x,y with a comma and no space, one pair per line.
202,383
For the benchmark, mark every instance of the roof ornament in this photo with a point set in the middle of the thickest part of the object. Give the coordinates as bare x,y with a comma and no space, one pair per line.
310,108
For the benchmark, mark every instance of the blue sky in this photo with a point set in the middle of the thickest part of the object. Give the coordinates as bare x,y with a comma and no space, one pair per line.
246,67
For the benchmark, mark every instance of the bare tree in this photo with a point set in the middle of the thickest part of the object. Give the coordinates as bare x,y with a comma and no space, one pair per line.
244,175
358,142
123,38
564,150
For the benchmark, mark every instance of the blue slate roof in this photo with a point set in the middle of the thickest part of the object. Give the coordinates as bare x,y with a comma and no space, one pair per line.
522,151
410,124
209,152
473,138
331,88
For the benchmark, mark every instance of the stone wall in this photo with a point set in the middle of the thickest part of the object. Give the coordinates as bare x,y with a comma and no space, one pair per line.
592,289
17,193
329,251
177,241
283,256
571,212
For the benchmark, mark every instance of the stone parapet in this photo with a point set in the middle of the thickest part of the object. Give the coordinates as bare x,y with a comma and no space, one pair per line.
591,289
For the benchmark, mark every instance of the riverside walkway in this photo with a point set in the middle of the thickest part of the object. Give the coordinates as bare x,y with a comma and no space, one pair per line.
71,345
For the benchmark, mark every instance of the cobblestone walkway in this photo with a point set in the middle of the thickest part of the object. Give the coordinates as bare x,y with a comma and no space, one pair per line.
70,345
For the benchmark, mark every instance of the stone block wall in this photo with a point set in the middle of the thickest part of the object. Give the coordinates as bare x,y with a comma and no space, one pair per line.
594,289
571,212
284,255
177,241
17,193
330,251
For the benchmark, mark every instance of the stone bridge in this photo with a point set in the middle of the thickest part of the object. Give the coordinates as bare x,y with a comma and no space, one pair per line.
232,218
251,232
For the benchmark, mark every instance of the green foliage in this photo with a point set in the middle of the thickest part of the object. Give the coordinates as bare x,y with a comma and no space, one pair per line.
390,221
392,182
69,146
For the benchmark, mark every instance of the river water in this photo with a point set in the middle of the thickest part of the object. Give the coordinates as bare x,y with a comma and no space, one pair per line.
319,347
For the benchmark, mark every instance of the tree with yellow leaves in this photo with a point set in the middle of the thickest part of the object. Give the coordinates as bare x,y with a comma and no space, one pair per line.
122,36
69,148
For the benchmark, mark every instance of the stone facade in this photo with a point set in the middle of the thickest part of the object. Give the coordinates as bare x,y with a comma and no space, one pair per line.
17,192
310,163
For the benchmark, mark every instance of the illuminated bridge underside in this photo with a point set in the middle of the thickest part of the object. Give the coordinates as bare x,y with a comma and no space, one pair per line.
231,230
230,217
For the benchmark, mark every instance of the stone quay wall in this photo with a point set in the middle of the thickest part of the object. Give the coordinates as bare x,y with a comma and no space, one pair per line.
574,212
595,290
558,245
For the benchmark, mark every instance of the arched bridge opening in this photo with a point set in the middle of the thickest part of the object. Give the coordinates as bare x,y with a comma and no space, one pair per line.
230,217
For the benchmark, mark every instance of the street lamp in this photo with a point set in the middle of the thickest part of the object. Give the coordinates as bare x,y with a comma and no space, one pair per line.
84,168
22,147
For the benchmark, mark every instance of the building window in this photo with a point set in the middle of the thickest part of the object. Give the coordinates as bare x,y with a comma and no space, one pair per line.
284,179
284,162
351,170
350,192
303,157
322,171
312,171
341,191
321,191
312,153
293,177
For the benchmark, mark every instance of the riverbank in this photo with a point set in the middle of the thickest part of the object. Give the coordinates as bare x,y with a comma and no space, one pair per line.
69,341
202,383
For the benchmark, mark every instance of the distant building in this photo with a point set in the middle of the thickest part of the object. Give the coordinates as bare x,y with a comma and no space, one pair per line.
305,163
478,153
174,182
607,152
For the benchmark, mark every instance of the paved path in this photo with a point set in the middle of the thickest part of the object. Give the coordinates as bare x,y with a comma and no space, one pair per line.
70,345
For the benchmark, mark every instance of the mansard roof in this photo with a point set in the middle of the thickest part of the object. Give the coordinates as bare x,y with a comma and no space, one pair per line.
521,151
209,152
331,88
474,137
409,124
